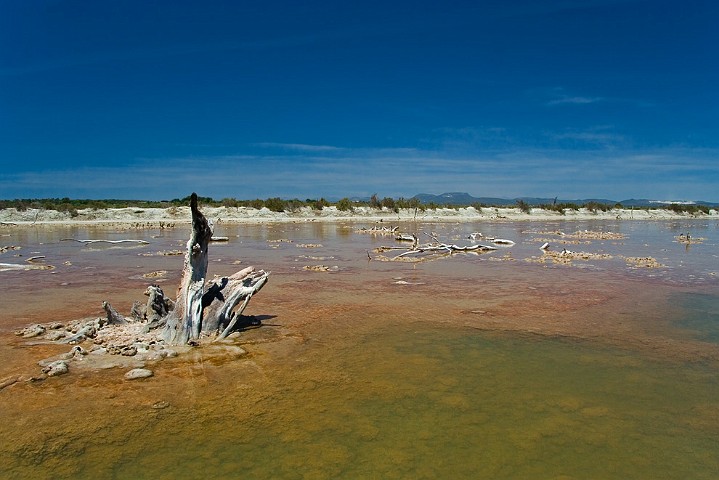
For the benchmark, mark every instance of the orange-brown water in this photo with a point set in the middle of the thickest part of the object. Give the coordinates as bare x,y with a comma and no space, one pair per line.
472,366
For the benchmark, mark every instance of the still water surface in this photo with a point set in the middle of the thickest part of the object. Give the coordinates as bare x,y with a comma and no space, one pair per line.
474,366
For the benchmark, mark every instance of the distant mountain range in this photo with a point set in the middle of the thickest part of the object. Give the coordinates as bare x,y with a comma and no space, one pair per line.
461,198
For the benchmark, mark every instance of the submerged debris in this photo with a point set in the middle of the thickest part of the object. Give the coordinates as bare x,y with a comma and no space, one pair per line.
578,237
643,262
309,245
595,235
406,238
687,239
565,257
7,381
162,253
156,274
320,268
4,267
379,230
55,368
502,241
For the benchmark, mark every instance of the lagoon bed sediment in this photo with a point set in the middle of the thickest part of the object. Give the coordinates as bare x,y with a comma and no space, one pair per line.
448,367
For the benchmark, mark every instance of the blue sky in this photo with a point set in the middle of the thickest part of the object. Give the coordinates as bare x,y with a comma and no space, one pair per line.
156,99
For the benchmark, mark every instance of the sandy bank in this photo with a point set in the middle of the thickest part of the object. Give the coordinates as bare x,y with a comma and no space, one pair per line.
180,215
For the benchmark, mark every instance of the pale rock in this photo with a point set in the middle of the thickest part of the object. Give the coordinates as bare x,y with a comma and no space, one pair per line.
137,373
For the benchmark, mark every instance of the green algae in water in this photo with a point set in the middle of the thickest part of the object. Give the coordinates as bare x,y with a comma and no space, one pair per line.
475,406
409,401
700,315
429,403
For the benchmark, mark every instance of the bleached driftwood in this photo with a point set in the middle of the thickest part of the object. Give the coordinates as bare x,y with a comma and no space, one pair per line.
408,238
502,241
434,248
496,241
4,267
239,287
202,309
405,238
157,307
445,248
377,230
17,266
142,242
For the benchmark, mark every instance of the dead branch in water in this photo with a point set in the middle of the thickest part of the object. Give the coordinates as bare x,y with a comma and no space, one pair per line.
379,230
15,266
142,242
430,251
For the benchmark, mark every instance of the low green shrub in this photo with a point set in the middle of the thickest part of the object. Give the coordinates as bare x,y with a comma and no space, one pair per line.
524,206
344,205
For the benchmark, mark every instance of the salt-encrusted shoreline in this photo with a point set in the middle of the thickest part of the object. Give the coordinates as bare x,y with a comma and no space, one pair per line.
181,215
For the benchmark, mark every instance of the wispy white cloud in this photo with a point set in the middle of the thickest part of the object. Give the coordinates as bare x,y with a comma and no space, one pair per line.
301,147
680,173
574,100
560,96
602,136
591,137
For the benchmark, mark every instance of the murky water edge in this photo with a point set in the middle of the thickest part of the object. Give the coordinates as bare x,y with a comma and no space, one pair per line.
468,367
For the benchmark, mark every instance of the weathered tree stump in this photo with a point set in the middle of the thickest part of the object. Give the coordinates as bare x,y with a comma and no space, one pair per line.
202,309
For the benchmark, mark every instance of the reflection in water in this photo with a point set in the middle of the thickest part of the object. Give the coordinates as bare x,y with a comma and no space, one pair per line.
474,368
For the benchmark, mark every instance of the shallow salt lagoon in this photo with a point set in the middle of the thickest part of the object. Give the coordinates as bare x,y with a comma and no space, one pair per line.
472,366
